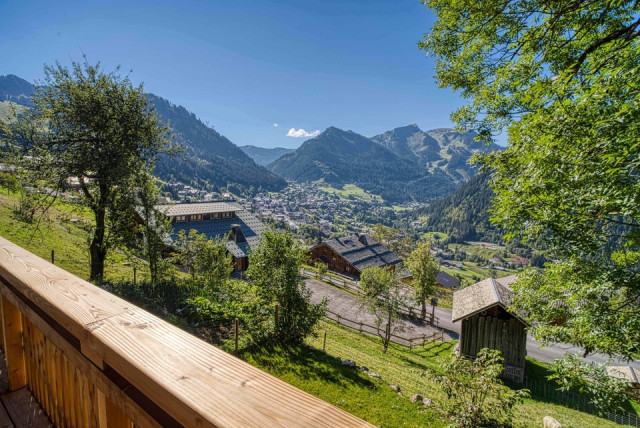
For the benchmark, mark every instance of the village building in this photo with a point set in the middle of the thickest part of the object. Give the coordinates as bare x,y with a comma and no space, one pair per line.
486,323
219,220
352,254
447,281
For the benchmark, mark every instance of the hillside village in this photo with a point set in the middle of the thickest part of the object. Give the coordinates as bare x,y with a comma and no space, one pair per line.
421,214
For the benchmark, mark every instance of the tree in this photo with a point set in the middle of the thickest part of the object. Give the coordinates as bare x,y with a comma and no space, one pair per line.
155,228
207,259
562,77
475,394
95,127
383,296
392,239
274,271
424,269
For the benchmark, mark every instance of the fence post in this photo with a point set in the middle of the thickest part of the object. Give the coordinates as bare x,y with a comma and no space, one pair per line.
53,258
236,336
134,274
324,341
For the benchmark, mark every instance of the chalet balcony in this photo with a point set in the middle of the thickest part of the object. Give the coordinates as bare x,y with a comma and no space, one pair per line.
91,359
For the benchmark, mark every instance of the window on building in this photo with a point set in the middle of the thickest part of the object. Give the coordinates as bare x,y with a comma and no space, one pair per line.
196,217
180,218
215,215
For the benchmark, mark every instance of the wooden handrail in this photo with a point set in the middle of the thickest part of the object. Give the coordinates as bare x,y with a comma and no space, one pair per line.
93,359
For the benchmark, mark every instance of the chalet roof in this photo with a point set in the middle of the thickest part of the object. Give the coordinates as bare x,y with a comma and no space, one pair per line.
447,281
482,296
362,251
198,208
249,224
629,373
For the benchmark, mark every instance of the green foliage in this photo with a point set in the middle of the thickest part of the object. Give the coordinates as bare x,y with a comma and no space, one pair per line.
393,239
383,296
475,394
155,228
562,77
606,393
274,271
207,259
424,269
97,128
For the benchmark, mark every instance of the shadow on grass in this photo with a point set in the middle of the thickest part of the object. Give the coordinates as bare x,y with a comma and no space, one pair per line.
305,364
547,391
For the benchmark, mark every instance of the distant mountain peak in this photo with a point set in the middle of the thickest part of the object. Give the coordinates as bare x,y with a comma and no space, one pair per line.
442,149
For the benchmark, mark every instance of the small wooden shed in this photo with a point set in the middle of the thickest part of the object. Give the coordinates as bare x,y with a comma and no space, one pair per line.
486,323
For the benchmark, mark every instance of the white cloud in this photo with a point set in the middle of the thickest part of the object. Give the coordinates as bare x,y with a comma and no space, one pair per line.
301,133
275,125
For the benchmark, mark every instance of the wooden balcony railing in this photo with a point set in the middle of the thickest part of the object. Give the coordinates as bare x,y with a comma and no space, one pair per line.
94,360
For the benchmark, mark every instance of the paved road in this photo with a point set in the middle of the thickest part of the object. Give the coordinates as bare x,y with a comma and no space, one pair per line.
346,305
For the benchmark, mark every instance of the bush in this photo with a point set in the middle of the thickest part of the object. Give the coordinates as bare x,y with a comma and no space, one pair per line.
475,394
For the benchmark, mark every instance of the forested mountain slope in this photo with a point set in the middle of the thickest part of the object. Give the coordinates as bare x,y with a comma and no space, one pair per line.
207,157
343,157
442,149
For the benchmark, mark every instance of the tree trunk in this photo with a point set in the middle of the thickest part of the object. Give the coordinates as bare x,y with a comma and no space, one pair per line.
423,311
97,248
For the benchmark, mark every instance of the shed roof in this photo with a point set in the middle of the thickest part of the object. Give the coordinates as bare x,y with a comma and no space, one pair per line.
624,372
446,280
482,296
362,251
198,208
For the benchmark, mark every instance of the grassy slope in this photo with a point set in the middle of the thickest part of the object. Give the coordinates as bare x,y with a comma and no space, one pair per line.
405,368
68,240
351,190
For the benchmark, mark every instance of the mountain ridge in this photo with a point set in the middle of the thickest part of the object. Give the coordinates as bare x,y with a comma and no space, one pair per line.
265,155
442,148
208,156
344,157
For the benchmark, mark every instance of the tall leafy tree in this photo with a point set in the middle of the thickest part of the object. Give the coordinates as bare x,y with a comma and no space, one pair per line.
274,271
95,127
563,78
424,269
383,296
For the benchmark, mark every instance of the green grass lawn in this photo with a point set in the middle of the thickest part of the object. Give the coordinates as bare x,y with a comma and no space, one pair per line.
351,190
68,239
406,368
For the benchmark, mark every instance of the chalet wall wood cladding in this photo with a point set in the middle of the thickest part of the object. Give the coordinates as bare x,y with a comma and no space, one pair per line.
94,360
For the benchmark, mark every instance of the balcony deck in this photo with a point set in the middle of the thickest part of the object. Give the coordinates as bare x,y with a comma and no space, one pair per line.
18,409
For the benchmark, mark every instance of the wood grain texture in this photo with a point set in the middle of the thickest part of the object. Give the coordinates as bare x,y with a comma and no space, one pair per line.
12,344
194,382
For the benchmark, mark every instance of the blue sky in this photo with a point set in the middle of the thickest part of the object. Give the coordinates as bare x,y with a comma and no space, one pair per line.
243,66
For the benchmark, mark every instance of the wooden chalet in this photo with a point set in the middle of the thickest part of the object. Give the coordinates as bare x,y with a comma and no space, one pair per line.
447,281
352,254
87,358
219,219
486,323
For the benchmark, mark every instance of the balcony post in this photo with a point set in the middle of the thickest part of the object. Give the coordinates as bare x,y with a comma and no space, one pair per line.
12,330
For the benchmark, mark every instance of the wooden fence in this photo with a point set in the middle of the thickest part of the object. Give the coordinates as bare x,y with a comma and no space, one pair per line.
409,342
92,359
354,288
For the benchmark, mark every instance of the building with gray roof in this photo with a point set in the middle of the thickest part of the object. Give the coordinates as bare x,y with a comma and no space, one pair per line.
227,220
353,254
